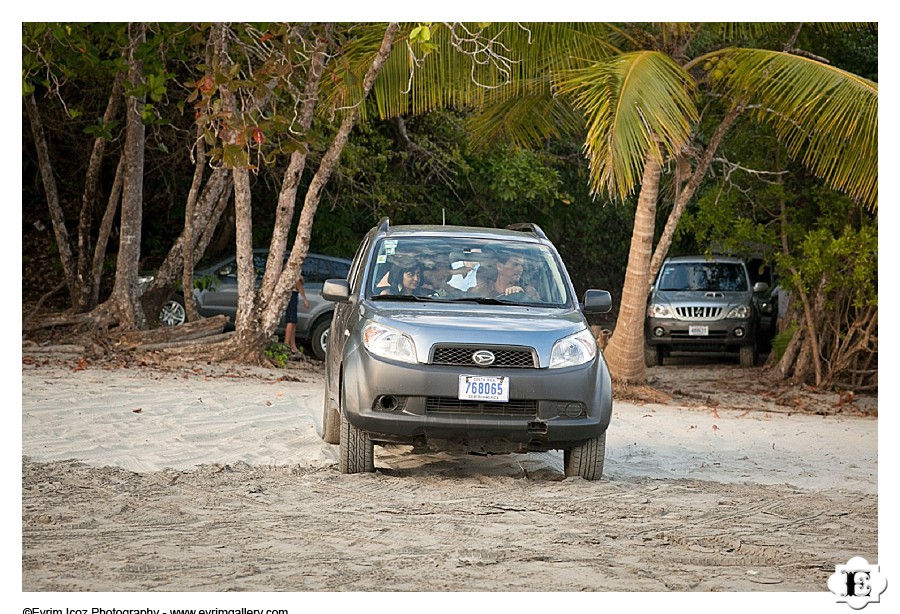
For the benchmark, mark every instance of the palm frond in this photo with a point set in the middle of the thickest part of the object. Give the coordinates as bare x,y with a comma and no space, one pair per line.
498,61
636,104
826,117
526,120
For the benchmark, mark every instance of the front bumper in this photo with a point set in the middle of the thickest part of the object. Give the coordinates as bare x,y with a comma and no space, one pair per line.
676,334
417,404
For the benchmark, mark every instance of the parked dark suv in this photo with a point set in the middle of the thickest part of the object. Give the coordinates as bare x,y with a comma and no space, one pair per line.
464,339
703,304
221,297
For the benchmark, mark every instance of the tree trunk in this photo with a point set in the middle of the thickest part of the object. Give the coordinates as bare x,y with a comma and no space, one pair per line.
625,352
685,195
106,225
287,198
208,212
246,273
274,305
187,268
87,281
126,297
56,213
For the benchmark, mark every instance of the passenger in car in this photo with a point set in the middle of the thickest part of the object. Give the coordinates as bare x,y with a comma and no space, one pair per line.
404,278
437,273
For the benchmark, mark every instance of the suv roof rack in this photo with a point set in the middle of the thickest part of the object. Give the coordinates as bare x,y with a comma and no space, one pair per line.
528,227
383,224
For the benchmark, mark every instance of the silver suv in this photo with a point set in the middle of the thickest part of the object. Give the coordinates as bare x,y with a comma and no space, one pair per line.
464,339
703,304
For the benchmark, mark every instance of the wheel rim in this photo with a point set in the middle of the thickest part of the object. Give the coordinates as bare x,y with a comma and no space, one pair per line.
172,314
323,341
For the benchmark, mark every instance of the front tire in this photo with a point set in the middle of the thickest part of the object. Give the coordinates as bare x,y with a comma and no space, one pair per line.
357,451
586,461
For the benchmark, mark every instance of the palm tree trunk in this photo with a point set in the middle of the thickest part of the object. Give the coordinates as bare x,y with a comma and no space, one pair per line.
625,352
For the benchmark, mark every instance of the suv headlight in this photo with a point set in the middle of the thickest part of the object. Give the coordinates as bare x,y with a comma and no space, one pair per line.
741,311
573,350
389,343
658,310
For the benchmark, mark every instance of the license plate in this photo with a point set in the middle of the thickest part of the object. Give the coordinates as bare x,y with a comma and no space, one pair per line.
698,331
484,388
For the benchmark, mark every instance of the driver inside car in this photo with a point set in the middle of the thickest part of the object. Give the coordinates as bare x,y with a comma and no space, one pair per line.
508,280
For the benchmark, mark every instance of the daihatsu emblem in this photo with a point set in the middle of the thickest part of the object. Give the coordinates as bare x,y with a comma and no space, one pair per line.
483,358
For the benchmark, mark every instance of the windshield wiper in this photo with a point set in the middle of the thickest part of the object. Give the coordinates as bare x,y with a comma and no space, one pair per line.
487,300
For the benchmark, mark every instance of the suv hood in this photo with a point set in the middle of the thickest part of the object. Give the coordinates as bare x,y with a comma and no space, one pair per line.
705,297
487,325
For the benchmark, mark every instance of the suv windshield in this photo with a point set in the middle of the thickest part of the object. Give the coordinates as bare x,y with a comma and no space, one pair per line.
703,276
466,269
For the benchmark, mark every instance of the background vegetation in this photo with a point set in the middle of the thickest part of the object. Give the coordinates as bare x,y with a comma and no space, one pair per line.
429,168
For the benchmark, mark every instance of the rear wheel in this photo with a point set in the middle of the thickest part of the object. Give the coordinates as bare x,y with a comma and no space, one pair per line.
319,338
357,451
173,313
586,460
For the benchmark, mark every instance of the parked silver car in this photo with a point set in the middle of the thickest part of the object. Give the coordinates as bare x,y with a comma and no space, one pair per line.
701,304
221,295
464,339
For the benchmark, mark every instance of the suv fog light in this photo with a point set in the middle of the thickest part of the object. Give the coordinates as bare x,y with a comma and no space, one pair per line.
739,332
658,331
572,410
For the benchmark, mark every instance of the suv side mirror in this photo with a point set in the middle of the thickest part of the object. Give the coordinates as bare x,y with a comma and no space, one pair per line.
760,286
596,301
336,290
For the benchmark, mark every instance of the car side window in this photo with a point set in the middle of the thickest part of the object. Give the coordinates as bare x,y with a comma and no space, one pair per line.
340,269
314,270
355,273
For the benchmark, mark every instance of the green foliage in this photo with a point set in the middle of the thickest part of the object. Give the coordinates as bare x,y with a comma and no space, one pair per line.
509,174
204,283
420,38
278,353
782,339
842,251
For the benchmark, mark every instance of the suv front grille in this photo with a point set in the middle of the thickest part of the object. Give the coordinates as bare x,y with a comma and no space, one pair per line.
461,356
698,312
450,405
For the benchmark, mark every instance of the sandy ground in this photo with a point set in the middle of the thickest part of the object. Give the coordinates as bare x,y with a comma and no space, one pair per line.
200,479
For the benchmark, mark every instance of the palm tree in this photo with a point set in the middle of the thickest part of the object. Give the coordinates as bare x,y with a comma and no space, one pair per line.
637,88
637,115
